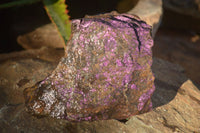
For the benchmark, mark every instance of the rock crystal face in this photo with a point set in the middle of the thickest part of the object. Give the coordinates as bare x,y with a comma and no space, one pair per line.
105,73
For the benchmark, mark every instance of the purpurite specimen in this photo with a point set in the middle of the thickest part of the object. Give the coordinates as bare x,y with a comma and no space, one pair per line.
105,73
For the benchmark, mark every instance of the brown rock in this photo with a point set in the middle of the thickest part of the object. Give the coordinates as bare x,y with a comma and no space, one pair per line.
20,70
149,11
14,77
169,78
179,47
104,75
46,35
178,113
14,118
105,126
176,99
44,53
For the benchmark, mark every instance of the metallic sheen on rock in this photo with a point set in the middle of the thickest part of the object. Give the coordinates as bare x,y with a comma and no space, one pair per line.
105,73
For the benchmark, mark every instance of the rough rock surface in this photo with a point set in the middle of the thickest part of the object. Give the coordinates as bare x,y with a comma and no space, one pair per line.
19,70
44,53
46,35
176,103
150,11
173,117
180,115
179,47
105,74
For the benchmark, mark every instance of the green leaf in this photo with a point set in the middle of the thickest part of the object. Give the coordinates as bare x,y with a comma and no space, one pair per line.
56,9
18,3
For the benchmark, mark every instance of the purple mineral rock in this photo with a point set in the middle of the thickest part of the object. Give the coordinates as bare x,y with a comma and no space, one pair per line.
105,73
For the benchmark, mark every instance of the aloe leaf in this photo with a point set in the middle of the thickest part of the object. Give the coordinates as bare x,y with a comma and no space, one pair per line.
57,11
18,3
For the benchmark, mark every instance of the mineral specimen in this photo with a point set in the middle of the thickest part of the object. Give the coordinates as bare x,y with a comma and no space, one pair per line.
105,73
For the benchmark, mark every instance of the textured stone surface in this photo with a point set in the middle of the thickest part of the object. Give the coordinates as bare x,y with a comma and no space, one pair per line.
17,81
173,100
176,101
46,35
150,11
19,70
44,53
105,74
169,78
181,47
180,115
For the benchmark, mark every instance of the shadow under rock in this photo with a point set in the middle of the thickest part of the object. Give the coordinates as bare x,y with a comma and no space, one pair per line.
168,79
